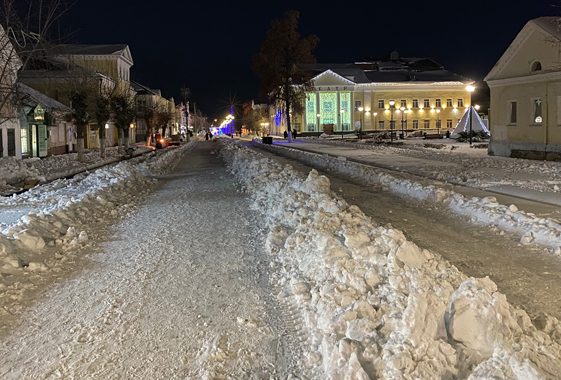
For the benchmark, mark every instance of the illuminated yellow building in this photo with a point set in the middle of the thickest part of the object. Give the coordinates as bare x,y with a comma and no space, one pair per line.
525,114
409,94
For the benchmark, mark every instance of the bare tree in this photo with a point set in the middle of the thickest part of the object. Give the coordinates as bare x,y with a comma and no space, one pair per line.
24,29
123,111
280,62
186,94
102,115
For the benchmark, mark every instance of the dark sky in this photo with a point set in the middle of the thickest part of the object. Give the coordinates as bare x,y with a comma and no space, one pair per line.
207,45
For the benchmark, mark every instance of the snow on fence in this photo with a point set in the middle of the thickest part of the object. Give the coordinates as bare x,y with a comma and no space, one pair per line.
375,305
485,211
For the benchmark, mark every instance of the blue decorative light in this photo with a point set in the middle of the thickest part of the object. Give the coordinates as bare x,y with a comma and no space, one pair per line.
278,118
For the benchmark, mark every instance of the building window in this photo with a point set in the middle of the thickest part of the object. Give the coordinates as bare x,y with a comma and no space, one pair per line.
311,111
438,103
537,104
426,103
415,103
403,103
512,112
328,108
460,102
448,102
427,124
381,103
297,127
381,124
536,66
415,124
449,123
358,103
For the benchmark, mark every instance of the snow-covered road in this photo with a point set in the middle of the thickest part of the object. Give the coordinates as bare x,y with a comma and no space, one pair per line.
179,289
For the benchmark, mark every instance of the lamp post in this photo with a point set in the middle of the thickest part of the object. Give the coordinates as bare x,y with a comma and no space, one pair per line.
361,110
470,89
341,118
392,106
402,109
438,121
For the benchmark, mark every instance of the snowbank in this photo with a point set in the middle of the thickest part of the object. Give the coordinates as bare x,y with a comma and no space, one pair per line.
473,167
45,240
486,211
374,305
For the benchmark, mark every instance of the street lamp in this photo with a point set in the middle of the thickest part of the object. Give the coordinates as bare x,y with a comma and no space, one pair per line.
438,121
341,118
470,89
402,109
392,106
361,110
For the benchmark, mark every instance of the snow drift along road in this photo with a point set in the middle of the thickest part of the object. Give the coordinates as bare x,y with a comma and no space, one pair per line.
377,306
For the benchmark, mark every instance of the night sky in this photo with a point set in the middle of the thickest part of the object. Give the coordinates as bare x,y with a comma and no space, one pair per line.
207,45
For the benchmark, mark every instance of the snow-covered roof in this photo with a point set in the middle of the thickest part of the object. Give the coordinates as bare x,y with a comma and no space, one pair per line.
403,69
551,25
32,98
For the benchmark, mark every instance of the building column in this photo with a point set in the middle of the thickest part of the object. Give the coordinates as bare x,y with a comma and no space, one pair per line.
339,125
318,108
367,106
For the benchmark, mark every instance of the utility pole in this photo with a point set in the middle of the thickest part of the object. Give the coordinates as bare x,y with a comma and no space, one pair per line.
195,118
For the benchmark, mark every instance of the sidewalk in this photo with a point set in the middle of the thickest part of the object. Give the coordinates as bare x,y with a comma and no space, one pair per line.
179,289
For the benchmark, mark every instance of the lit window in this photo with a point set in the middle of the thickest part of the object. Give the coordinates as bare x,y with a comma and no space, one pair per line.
460,102
438,103
426,103
358,103
448,102
415,103
415,124
427,124
403,103
381,125
449,123
537,111
381,103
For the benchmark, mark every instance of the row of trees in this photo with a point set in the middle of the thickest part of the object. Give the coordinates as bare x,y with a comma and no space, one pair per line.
95,104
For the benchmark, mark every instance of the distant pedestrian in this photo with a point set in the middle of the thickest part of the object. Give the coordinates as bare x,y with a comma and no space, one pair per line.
285,134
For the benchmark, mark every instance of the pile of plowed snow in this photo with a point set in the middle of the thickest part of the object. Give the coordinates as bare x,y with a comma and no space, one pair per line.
375,305
531,228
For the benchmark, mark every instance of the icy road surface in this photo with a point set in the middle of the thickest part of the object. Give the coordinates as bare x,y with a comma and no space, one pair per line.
180,290
529,276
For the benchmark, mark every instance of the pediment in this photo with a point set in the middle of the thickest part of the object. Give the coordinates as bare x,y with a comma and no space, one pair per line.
330,78
127,56
532,44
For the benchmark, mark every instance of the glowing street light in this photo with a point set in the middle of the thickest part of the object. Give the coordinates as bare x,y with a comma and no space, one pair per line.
470,89
392,106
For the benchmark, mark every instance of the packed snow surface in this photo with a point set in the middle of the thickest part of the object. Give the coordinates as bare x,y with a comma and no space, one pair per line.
377,306
455,162
178,290
47,238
